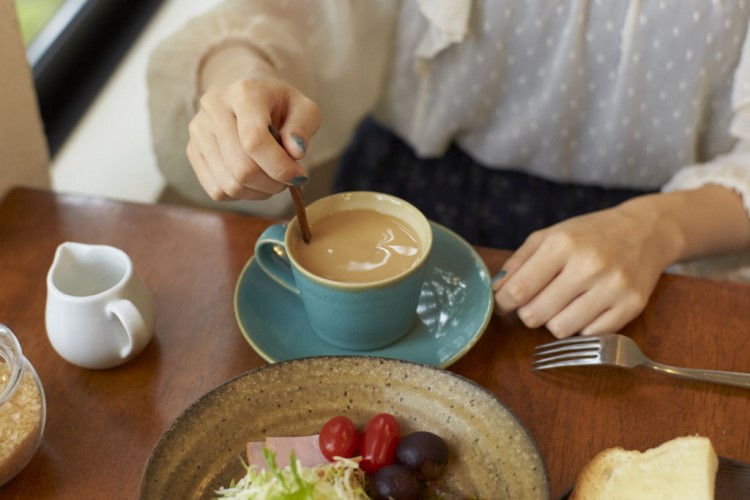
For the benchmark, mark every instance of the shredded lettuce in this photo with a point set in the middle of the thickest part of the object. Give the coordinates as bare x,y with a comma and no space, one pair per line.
342,479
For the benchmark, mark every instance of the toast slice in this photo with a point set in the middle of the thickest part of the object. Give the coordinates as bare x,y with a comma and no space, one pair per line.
684,467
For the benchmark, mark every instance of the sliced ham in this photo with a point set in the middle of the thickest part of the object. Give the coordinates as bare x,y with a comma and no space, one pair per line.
306,449
255,454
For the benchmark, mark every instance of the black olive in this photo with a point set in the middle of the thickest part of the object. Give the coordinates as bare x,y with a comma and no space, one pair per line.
424,452
395,482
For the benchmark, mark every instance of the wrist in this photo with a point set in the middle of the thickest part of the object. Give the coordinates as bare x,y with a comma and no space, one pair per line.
231,62
710,220
656,217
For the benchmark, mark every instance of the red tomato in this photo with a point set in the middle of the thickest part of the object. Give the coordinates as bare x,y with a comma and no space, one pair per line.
338,438
378,442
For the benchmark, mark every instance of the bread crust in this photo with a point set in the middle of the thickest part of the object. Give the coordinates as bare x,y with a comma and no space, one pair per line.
592,479
596,479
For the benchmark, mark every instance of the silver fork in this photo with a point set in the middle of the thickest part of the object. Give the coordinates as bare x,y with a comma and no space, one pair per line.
618,350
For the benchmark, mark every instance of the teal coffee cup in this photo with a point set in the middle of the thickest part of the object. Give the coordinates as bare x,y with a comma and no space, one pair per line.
360,276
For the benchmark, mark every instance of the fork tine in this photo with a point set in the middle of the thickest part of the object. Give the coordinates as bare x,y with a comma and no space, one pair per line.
576,355
573,351
579,347
570,341
572,344
544,365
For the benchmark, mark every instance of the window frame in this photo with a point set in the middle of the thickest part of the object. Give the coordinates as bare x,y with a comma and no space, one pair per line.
76,52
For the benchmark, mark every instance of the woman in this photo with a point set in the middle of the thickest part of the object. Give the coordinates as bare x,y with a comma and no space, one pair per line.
607,139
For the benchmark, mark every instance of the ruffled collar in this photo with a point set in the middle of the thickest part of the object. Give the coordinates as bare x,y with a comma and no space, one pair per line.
449,24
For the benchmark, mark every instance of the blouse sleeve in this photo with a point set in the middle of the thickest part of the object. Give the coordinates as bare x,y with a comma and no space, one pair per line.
333,51
731,170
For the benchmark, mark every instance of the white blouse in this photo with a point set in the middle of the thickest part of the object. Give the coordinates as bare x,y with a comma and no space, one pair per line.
638,93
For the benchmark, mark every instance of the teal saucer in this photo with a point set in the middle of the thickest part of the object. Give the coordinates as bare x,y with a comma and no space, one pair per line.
454,309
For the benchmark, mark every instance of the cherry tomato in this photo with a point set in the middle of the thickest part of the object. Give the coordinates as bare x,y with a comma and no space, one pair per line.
378,442
338,438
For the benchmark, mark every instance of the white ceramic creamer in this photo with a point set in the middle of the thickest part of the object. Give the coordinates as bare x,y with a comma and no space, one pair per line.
99,312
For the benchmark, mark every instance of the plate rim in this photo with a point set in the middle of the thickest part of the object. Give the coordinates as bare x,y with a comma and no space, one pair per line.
184,414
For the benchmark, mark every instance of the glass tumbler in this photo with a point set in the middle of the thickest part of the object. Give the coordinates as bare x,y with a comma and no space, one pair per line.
22,407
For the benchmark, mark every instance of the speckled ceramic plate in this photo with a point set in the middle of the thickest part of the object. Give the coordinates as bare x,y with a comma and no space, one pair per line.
454,308
492,455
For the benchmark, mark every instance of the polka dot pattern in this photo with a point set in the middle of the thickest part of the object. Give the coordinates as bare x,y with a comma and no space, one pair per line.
619,94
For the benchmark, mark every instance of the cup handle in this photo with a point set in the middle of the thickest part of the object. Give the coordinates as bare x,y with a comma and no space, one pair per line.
270,253
132,320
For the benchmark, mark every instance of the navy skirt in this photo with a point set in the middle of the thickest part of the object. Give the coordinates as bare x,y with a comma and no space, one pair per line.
487,206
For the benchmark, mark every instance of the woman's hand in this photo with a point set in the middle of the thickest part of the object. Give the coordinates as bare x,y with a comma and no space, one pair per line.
594,273
590,274
231,147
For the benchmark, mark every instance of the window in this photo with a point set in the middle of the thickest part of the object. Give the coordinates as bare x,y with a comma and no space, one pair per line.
34,15
72,47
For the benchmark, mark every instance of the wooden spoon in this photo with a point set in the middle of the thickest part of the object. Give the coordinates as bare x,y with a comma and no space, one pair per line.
296,192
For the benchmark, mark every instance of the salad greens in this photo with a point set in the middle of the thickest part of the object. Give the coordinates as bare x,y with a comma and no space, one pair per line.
341,479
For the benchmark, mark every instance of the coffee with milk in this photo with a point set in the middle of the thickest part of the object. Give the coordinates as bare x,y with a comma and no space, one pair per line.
358,246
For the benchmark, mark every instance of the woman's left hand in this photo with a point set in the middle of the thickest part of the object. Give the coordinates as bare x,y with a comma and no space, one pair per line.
590,274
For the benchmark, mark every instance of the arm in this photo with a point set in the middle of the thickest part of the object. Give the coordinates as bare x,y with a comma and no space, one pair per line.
594,273
337,61
706,221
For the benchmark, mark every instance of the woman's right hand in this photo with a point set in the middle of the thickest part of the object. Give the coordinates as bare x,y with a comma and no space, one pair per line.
232,149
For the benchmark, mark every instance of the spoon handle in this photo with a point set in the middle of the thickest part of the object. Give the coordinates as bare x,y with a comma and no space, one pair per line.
299,207
296,192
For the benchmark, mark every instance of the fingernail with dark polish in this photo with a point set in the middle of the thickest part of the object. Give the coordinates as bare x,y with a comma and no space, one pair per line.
300,180
299,141
499,276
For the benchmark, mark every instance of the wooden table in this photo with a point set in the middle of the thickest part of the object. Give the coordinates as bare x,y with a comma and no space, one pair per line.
102,425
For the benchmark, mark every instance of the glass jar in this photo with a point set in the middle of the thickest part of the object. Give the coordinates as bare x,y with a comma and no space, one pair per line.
22,407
